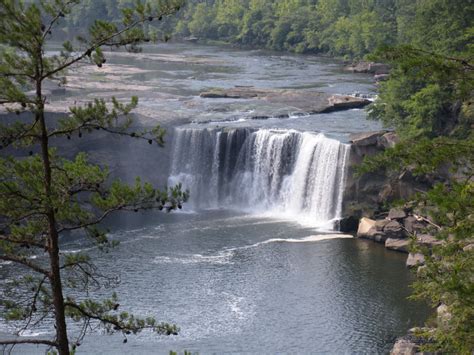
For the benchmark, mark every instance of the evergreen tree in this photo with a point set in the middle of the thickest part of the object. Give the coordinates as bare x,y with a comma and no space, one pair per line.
428,99
44,196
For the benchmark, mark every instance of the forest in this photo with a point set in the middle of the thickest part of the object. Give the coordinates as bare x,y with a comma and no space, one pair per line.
347,28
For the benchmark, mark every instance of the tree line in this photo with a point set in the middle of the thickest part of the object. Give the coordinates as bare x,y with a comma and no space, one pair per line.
352,28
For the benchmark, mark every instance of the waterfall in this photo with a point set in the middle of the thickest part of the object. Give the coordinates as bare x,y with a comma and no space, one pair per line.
283,173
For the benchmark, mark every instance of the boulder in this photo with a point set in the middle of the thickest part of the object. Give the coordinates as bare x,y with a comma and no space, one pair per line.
443,315
379,68
388,140
420,272
428,240
415,259
380,224
379,238
412,225
368,67
396,213
341,102
381,77
397,244
348,224
404,346
394,229
468,247
366,139
366,228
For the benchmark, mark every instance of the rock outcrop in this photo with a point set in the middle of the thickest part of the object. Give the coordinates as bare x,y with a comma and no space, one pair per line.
368,194
368,67
404,346
392,231
415,260
380,71
305,101
396,244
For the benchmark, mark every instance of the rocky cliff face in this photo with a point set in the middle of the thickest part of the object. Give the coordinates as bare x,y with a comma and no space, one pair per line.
366,200
368,195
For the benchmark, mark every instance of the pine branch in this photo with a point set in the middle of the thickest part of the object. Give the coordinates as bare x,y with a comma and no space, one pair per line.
102,42
56,18
122,207
28,341
26,262
85,126
33,303
28,242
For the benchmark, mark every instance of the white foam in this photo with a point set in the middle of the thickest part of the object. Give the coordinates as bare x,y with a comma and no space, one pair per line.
308,239
30,333
220,259
225,256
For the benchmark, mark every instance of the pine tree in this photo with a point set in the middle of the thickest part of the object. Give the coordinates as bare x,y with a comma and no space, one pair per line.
44,195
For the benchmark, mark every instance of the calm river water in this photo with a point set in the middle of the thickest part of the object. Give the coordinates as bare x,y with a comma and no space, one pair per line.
240,280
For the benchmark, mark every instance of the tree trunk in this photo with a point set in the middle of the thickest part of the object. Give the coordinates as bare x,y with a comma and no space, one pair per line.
53,242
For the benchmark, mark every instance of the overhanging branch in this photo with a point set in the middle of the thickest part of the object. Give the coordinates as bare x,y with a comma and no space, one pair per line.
25,262
28,341
102,42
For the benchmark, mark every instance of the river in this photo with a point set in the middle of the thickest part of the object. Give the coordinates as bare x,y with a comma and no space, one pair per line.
252,263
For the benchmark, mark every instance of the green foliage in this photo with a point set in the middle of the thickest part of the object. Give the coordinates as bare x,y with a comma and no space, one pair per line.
426,92
351,28
428,100
446,277
44,196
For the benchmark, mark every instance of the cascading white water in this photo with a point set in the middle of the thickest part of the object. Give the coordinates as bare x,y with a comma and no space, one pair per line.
283,173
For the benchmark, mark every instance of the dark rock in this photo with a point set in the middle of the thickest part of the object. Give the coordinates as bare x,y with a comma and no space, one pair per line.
415,260
348,224
379,68
412,225
396,213
397,244
385,194
380,224
394,229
